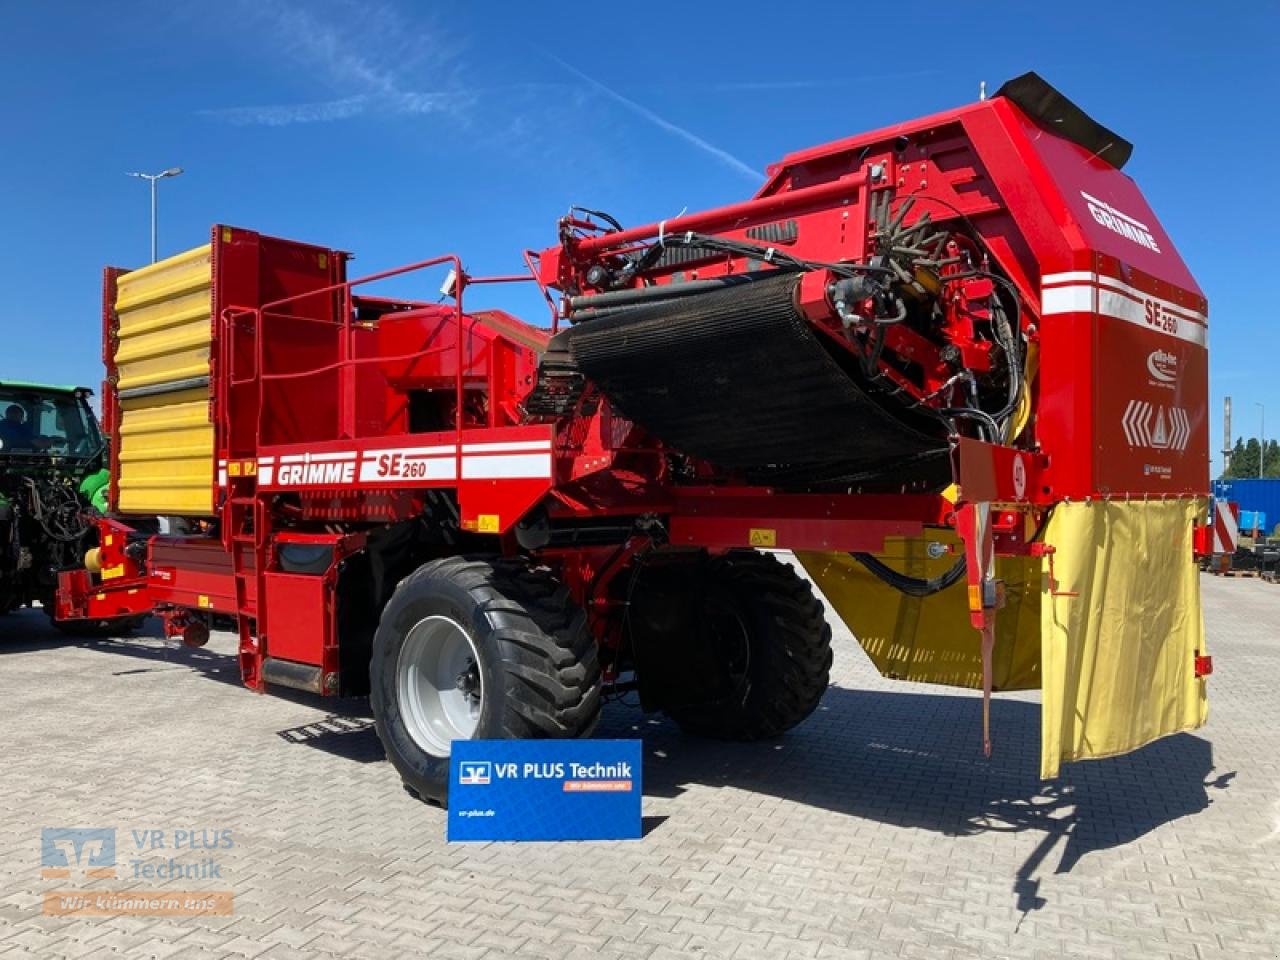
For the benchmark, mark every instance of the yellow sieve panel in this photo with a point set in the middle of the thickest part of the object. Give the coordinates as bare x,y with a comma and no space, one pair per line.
166,459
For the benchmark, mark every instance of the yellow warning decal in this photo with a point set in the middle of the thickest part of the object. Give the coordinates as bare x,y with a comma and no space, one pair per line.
488,523
110,573
203,601
762,537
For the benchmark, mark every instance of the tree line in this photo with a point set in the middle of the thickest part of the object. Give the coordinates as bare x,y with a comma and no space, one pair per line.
1244,460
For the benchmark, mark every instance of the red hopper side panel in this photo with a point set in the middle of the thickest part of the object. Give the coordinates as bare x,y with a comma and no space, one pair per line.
1124,363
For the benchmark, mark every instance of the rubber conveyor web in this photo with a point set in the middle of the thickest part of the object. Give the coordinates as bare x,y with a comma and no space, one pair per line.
738,377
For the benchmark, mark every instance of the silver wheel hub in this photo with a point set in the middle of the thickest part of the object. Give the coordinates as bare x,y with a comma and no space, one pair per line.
438,683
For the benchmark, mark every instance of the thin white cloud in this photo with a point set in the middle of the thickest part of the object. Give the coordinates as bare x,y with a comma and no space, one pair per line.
774,86
335,54
301,35
283,115
325,111
724,156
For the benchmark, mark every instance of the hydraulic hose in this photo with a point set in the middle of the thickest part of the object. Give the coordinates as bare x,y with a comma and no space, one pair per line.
911,586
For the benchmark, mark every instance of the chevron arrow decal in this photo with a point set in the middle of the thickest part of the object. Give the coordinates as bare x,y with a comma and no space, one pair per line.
1156,428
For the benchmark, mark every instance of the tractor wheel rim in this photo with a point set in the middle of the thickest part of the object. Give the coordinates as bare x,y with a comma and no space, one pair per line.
440,686
731,640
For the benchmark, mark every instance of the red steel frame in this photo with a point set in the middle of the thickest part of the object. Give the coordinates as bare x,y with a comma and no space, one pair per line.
985,166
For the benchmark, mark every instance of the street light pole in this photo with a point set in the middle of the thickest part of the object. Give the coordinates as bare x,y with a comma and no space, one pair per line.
1262,438
152,178
153,219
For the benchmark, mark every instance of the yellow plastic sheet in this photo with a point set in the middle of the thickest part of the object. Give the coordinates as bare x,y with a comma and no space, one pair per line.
166,454
1111,638
165,338
930,639
1121,627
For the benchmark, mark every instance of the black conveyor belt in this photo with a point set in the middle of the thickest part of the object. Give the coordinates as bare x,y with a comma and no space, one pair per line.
739,378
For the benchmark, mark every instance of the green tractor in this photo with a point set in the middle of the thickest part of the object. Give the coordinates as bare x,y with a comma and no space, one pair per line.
53,474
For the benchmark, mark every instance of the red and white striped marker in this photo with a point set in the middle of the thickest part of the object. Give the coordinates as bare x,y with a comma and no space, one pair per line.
1226,526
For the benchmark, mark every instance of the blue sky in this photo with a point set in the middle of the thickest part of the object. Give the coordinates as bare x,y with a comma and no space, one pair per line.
399,130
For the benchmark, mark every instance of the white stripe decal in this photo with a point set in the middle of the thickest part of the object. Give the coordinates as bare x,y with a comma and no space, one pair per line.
386,467
1084,276
1076,298
1122,307
1122,302
1075,276
319,457
507,447
501,460
507,467
1120,286
448,450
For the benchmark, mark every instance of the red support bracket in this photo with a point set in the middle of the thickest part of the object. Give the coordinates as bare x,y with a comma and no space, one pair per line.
1048,550
987,472
986,593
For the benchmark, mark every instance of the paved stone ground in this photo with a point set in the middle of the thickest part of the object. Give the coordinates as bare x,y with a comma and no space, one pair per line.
876,829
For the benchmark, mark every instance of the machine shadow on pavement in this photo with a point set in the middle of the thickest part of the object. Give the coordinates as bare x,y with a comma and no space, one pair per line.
29,630
909,759
905,758
915,760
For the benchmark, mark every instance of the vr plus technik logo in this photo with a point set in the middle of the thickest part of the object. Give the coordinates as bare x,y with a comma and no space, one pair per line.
91,851
474,773
168,859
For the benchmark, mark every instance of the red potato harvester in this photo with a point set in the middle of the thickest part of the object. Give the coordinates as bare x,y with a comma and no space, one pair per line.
956,366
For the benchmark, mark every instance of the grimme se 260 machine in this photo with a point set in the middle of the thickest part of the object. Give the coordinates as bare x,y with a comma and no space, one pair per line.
955,366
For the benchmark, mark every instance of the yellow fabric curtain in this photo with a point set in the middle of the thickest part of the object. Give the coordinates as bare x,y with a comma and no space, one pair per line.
1120,629
1111,641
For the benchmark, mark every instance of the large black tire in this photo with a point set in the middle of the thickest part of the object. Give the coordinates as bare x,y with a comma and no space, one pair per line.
537,664
771,675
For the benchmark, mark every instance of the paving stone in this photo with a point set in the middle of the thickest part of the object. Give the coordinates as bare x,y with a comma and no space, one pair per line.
875,829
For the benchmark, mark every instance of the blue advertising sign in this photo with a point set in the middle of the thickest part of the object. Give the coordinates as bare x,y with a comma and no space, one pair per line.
544,790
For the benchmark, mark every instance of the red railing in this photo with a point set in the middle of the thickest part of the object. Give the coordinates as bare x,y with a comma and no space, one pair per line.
347,361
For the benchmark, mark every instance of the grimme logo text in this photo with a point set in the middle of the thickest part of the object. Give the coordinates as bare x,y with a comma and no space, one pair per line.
1120,223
